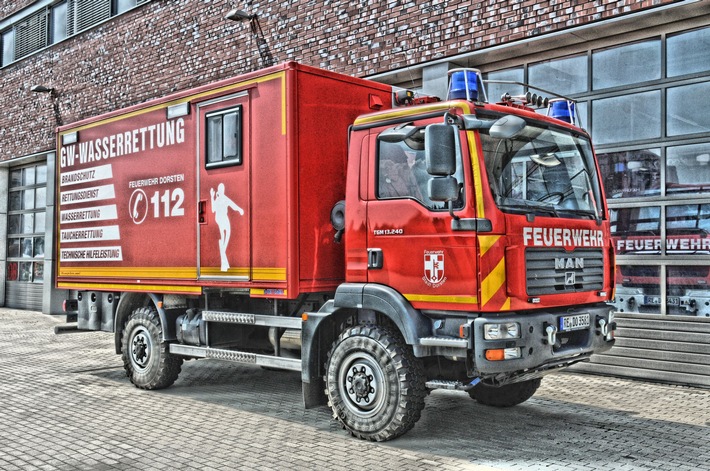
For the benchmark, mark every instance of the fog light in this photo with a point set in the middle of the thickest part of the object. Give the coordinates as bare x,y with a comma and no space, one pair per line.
508,330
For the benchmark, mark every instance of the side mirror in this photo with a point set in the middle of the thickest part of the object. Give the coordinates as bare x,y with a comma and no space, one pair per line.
507,127
440,149
443,189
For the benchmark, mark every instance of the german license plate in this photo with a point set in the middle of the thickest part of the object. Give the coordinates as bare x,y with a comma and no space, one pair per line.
577,322
656,300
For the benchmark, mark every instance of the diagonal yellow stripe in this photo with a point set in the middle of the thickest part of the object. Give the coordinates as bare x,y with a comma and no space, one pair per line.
486,242
492,283
506,305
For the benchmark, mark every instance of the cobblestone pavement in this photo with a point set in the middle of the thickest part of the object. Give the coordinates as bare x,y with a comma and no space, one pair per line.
66,404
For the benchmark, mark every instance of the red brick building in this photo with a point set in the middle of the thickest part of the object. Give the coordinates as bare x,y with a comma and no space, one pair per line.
640,71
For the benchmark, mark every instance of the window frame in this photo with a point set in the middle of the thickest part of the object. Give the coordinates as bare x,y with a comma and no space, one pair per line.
238,159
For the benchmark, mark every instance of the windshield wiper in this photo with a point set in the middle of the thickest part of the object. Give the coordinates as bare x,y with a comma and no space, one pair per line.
529,208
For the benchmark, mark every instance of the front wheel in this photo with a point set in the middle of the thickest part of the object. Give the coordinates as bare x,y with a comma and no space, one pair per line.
146,358
505,396
374,383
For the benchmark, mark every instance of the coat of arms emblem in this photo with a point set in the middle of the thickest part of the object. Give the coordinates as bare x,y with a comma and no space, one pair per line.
434,268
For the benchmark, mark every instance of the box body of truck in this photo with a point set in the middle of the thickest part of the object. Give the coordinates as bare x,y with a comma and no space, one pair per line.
158,198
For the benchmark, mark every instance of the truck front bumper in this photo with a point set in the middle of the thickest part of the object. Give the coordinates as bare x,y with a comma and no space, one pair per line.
544,339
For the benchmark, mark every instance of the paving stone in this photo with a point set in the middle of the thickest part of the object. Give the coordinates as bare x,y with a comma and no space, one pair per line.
67,405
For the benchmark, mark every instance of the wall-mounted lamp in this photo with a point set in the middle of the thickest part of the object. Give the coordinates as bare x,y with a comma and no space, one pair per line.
241,16
53,94
41,89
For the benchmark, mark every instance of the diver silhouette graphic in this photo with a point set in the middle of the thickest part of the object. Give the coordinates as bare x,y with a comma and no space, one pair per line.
220,205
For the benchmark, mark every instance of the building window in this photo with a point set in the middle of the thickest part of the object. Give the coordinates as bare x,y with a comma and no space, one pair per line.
688,53
58,25
625,65
494,90
121,6
567,76
688,169
40,26
8,47
27,201
631,174
687,109
627,118
224,138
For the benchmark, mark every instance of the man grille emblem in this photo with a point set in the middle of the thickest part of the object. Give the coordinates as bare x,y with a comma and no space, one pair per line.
569,278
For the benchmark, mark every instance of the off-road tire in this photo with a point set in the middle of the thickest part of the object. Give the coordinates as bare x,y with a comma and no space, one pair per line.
146,358
374,383
505,396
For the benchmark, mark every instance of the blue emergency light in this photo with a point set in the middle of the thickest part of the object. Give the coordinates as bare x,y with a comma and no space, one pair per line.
463,84
563,110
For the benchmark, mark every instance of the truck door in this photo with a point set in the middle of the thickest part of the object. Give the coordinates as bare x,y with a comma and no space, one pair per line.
411,245
223,190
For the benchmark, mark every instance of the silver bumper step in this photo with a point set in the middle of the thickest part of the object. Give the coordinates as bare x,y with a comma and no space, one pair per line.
236,356
443,342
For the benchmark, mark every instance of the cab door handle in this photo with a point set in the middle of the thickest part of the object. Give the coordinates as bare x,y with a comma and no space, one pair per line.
374,258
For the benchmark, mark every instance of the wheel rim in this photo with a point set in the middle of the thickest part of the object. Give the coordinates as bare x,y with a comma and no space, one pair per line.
362,385
141,346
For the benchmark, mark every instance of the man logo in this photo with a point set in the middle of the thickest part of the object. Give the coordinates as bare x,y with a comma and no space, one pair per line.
567,263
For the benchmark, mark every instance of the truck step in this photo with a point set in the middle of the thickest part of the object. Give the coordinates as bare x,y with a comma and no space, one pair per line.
444,342
236,356
252,319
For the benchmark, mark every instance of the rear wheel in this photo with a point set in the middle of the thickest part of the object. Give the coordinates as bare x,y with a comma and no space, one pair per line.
505,396
374,383
146,358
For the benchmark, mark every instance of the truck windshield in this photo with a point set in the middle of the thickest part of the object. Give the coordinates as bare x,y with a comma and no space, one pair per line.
544,170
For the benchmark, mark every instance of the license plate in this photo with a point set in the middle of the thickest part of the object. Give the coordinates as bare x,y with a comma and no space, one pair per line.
580,321
656,300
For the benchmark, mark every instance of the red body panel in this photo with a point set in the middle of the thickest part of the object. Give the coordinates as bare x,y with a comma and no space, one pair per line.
137,209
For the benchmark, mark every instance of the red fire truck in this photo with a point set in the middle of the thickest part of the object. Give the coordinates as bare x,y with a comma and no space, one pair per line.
292,218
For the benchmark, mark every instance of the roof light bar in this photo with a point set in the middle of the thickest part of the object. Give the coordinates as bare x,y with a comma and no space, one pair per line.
564,110
465,84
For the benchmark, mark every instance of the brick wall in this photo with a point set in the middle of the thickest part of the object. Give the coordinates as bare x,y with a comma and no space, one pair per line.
169,45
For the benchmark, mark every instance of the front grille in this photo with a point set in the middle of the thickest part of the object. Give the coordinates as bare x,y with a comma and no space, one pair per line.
554,271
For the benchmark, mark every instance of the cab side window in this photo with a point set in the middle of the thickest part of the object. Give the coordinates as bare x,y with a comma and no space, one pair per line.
402,172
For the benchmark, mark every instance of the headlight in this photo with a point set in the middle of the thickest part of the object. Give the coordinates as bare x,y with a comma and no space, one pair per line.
508,330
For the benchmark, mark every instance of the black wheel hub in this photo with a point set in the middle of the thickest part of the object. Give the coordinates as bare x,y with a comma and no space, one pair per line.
360,384
140,349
